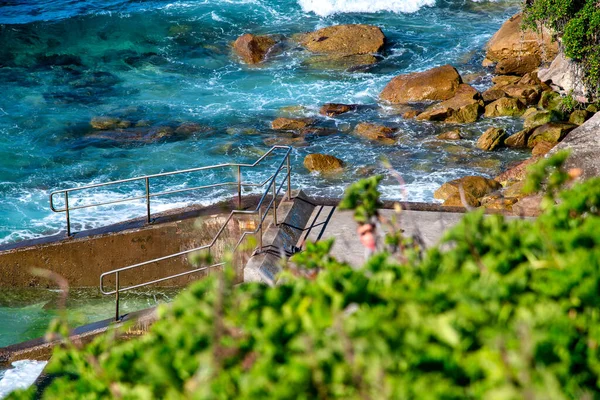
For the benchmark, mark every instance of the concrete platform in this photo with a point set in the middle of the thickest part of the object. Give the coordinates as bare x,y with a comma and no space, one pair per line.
340,225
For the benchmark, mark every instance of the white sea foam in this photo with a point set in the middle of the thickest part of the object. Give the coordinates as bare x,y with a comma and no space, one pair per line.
329,7
22,376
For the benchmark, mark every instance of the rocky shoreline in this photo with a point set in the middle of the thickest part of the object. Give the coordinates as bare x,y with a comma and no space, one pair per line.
439,95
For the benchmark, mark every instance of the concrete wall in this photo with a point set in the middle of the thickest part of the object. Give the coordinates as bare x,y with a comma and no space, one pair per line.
81,260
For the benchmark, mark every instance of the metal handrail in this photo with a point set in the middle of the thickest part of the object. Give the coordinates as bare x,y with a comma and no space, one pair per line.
262,214
148,195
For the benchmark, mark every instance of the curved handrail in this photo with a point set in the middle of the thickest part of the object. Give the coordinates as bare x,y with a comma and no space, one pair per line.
148,195
272,180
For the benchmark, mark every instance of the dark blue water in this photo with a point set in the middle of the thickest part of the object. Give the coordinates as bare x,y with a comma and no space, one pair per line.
160,64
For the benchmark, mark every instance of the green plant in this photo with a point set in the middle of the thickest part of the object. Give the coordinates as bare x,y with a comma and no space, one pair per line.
508,311
577,23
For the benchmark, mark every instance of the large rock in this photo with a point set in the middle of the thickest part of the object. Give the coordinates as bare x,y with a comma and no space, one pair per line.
107,123
491,139
505,107
516,51
439,83
323,163
456,201
552,132
464,107
291,124
578,117
355,62
584,145
476,186
344,40
566,77
528,94
375,132
540,117
253,49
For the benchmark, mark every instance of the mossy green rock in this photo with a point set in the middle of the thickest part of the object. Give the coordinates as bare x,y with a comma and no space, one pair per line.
541,117
551,101
578,117
505,107
553,132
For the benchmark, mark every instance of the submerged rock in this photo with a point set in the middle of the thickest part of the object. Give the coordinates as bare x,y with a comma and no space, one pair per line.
291,124
107,123
333,109
323,163
380,133
439,83
464,107
134,135
491,139
252,48
476,186
450,135
344,40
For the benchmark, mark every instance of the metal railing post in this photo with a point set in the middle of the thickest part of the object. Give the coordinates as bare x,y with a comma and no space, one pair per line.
274,203
117,296
260,230
239,186
67,213
148,199
289,179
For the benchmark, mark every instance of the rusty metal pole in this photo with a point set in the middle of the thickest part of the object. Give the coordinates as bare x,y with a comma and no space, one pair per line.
260,229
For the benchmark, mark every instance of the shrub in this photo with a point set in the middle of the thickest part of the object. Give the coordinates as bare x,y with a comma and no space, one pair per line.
509,311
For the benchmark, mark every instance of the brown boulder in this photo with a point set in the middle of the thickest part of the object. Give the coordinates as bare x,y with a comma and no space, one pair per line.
517,51
340,63
519,139
333,109
536,118
438,83
291,124
516,173
528,94
252,48
410,114
450,135
491,139
344,40
528,206
465,106
505,107
476,186
542,148
552,132
505,80
323,163
455,201
375,132
494,93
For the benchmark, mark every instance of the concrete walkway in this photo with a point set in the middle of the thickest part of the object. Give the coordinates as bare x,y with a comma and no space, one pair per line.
340,225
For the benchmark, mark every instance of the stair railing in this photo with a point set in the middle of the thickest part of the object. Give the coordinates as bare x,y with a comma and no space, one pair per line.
273,190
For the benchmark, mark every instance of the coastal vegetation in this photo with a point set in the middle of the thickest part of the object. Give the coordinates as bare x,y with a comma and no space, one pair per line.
508,311
577,24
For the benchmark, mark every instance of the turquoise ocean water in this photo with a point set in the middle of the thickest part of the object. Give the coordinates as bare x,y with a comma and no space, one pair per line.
166,63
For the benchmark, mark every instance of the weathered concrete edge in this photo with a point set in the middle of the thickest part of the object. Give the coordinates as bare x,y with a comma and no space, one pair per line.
137,323
264,267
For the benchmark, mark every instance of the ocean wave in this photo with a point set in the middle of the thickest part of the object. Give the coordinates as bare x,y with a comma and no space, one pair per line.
328,7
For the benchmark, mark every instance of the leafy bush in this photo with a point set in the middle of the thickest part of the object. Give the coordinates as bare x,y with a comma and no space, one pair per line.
577,22
510,311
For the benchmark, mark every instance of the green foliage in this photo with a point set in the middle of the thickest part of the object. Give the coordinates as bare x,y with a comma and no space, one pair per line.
510,310
577,22
363,198
569,104
547,175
